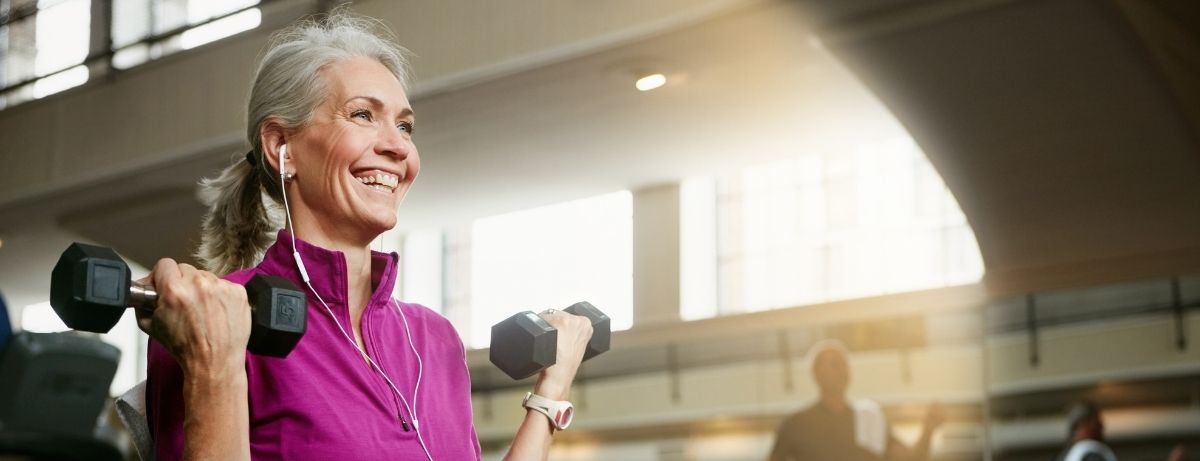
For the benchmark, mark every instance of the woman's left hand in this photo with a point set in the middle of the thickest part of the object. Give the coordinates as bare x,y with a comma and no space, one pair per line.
574,332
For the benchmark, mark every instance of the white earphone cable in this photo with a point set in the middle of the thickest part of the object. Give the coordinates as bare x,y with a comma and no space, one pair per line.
412,409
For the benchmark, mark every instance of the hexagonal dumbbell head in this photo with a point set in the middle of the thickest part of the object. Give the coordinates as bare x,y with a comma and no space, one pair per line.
279,314
523,345
601,328
89,287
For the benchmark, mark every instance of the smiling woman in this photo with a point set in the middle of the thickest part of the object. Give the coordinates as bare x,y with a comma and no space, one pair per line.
331,131
354,159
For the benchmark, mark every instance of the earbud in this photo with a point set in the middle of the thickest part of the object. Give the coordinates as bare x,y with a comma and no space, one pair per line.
282,156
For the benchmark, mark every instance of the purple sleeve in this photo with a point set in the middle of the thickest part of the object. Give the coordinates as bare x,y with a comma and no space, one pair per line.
164,402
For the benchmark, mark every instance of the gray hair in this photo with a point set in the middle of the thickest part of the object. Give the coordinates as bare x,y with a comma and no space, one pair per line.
240,223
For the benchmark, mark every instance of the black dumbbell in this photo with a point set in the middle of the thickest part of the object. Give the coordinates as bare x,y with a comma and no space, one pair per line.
91,287
525,343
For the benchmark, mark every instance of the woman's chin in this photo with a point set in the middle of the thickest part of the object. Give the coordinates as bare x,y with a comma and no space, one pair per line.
380,223
372,220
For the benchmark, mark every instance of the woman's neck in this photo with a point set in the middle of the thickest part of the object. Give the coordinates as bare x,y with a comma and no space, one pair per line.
356,250
358,270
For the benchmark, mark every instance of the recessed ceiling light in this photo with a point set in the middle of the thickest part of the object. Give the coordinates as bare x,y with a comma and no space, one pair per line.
650,82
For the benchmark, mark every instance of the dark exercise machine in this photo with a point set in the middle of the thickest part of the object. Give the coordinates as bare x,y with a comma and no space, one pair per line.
53,387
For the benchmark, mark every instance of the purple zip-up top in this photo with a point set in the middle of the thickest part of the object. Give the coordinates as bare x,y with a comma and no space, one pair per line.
324,401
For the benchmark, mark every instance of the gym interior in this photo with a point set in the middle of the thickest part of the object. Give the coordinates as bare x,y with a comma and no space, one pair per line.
991,205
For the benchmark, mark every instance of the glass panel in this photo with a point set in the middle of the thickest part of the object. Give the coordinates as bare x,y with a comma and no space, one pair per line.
21,52
698,248
136,20
872,220
221,28
200,11
130,22
169,15
552,257
131,56
62,35
67,79
422,268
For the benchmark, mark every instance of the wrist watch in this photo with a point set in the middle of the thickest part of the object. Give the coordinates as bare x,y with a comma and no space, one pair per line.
560,412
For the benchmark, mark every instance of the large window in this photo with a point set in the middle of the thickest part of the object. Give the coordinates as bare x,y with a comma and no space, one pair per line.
821,227
42,45
547,257
148,29
49,46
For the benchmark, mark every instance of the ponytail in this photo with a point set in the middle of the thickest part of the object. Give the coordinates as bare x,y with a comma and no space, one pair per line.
239,224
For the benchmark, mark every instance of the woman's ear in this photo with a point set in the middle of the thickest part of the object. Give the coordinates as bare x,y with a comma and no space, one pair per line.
273,137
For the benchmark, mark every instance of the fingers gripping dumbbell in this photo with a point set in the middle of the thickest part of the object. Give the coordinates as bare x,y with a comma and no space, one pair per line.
91,287
525,343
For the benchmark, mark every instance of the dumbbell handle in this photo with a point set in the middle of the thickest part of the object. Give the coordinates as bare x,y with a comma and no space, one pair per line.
142,295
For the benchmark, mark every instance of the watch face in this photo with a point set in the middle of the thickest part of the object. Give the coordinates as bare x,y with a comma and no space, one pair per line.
562,417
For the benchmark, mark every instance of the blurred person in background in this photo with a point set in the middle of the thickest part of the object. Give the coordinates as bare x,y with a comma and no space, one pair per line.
1085,436
837,429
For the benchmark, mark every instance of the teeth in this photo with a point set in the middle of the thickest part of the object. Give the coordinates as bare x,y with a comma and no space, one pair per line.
380,181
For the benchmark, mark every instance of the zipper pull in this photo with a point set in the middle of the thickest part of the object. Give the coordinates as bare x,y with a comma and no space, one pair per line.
404,423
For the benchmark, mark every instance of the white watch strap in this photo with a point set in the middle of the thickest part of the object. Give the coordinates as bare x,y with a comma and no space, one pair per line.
560,412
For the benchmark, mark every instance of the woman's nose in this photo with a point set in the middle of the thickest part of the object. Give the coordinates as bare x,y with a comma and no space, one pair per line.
395,142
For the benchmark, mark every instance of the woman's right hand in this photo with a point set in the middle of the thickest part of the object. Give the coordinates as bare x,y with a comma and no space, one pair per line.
202,320
574,332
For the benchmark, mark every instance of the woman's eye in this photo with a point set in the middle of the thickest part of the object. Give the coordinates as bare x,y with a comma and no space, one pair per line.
406,127
365,115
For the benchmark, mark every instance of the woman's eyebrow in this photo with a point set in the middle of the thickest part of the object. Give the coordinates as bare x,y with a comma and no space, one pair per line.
405,112
371,99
